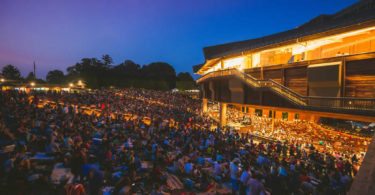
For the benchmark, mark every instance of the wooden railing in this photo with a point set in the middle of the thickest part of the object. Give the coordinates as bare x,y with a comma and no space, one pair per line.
304,101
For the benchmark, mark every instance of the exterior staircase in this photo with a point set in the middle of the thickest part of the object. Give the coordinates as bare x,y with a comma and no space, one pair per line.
305,102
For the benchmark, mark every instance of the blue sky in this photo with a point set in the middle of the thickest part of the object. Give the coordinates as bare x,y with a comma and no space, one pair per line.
57,34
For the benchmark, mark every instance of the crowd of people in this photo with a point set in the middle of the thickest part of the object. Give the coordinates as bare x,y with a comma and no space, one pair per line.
325,138
298,131
149,142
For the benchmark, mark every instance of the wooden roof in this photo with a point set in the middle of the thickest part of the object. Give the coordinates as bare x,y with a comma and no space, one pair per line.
353,17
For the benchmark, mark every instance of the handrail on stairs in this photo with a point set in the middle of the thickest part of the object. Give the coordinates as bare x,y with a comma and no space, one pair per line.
348,103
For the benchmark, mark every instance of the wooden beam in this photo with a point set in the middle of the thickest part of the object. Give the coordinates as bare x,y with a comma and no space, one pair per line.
317,61
317,113
343,77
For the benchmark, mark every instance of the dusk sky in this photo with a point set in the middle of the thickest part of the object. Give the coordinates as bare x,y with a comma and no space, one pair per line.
58,33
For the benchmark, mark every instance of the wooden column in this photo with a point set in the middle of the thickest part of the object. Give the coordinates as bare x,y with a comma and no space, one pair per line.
314,118
279,115
291,116
204,105
251,111
265,113
343,77
273,120
223,114
273,124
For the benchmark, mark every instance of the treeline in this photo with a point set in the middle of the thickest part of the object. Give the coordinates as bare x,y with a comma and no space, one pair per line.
98,73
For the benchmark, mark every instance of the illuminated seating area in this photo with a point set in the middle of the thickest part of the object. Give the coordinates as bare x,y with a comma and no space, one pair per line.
325,65
288,83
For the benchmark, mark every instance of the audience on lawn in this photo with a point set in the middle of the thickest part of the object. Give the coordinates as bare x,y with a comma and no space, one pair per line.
151,142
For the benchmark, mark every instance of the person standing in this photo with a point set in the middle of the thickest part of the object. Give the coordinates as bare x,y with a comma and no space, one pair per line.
234,172
255,186
244,178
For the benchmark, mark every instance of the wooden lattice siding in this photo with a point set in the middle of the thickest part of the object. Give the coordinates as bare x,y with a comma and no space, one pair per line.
275,75
360,78
296,79
255,73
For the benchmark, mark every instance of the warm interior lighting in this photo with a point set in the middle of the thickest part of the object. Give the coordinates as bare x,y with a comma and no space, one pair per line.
215,67
71,85
238,62
299,51
2,80
310,45
256,59
322,41
32,84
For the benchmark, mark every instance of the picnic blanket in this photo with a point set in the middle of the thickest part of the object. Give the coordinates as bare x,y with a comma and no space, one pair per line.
173,182
60,174
8,148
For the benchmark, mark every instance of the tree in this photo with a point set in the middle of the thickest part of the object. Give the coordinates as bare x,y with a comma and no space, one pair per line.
131,67
125,74
127,69
11,72
30,77
160,71
184,76
55,76
107,59
99,73
185,81
93,71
